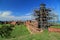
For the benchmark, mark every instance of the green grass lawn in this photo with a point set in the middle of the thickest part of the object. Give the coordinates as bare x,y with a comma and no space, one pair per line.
20,32
55,26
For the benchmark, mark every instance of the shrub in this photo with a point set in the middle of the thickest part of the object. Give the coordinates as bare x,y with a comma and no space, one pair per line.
6,30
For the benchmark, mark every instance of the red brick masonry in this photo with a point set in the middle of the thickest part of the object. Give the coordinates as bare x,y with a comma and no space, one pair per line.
34,25
54,29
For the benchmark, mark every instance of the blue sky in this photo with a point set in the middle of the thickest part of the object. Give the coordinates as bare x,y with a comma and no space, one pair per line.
18,9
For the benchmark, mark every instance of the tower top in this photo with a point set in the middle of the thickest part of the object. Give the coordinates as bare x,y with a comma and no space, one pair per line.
42,5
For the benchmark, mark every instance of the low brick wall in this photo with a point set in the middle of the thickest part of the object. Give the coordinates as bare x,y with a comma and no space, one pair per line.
54,29
13,23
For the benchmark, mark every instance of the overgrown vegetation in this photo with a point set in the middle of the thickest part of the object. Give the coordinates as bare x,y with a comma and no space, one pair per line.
6,30
20,32
55,26
39,36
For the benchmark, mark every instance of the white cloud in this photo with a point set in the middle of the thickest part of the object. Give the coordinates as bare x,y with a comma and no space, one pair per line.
7,15
29,13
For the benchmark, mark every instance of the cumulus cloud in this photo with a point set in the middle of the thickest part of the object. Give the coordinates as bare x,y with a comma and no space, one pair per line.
7,15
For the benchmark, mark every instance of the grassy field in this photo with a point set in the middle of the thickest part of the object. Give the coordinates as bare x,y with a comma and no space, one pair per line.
40,36
20,32
55,26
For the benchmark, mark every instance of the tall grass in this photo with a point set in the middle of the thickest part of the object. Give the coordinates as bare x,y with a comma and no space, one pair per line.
40,36
20,32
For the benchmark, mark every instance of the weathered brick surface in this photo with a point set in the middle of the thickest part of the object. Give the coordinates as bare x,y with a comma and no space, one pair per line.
32,26
13,22
54,29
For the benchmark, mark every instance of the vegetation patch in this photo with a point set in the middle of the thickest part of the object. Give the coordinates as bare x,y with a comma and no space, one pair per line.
6,30
55,26
20,32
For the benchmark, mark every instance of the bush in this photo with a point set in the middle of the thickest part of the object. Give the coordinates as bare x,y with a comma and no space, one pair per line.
6,30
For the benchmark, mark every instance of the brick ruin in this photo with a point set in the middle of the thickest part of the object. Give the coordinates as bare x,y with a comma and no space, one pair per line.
12,22
41,21
43,16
